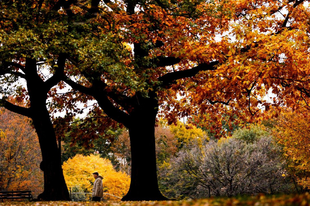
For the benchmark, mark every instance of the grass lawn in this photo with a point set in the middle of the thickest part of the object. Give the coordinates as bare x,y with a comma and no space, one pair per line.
260,200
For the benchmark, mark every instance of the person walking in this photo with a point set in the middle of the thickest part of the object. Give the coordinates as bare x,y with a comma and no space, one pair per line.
98,187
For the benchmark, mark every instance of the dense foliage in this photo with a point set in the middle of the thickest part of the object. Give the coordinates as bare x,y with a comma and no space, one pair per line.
85,138
78,175
19,154
292,133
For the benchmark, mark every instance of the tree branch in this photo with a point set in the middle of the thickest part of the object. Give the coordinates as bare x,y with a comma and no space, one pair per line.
14,73
122,100
59,74
113,112
166,61
107,106
94,6
170,78
77,86
5,69
14,108
98,92
220,102
249,91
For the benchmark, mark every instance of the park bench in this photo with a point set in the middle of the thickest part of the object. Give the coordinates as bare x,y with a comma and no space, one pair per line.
15,195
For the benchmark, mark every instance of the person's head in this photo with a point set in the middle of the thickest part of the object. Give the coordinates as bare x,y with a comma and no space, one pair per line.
95,174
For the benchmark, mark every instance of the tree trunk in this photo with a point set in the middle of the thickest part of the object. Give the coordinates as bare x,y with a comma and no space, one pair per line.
54,183
55,187
144,184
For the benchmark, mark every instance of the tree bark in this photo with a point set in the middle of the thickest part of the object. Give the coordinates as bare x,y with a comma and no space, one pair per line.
55,187
140,119
144,183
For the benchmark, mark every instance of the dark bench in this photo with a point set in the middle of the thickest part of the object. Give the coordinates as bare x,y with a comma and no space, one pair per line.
15,195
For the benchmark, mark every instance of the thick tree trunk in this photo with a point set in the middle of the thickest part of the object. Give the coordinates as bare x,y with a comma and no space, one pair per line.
55,187
144,184
54,184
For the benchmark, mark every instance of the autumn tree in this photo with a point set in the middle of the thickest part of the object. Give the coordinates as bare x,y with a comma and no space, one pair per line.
78,174
170,140
35,39
19,154
291,132
219,57
187,134
166,143
121,152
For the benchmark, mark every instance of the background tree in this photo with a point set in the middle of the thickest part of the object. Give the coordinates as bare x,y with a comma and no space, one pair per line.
229,167
166,143
229,124
20,155
291,132
121,152
78,174
187,134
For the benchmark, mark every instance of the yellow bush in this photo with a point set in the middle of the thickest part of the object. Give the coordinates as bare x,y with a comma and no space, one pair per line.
78,174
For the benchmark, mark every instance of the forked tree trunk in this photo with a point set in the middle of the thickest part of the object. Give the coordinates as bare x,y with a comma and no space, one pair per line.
144,184
55,187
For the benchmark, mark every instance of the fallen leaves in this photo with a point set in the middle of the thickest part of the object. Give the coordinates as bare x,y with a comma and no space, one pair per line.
259,200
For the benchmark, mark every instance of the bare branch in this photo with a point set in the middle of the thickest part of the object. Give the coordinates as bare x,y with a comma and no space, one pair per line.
170,78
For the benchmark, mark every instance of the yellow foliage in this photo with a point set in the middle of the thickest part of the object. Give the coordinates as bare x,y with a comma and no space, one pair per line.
188,133
78,173
292,132
223,140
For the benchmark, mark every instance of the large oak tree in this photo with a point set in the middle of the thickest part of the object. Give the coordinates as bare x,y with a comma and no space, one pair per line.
34,39
189,57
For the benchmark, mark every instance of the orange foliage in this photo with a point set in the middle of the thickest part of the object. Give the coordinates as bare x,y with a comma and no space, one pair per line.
292,132
20,154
